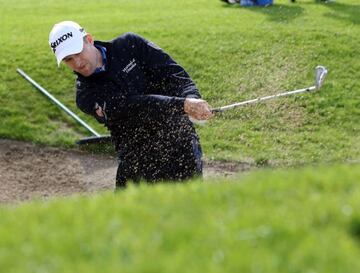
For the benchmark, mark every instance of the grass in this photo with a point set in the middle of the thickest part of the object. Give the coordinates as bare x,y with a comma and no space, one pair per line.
292,221
300,220
232,53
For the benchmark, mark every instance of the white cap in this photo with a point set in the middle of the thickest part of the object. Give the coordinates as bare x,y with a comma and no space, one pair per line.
66,38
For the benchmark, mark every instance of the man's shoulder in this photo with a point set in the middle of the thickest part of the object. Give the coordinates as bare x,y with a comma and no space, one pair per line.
128,38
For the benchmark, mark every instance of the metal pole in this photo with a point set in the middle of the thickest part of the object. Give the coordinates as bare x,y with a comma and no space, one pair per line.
58,103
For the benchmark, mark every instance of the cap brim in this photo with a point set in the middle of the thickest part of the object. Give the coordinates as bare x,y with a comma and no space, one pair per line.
69,50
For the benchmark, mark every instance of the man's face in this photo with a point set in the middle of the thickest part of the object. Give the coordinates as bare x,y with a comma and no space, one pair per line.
84,62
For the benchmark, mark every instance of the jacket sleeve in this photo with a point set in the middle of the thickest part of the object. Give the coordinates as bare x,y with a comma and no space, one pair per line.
120,106
160,63
153,105
86,100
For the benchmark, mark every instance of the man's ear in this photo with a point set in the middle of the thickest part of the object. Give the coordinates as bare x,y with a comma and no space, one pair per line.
89,38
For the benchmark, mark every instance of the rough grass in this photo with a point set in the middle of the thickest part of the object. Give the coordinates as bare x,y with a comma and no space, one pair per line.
289,221
233,54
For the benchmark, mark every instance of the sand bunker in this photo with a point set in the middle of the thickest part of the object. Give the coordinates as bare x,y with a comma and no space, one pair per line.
29,171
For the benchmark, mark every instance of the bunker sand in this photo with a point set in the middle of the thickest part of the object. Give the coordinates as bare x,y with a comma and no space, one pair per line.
29,171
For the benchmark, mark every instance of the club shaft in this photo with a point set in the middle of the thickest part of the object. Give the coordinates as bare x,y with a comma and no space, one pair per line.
58,103
253,101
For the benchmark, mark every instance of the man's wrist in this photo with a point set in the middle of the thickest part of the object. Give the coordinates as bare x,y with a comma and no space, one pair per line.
179,104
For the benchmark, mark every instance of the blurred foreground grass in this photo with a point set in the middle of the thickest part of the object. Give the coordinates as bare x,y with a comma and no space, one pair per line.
291,221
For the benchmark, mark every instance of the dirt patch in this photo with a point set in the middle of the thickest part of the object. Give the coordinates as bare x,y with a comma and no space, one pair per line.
29,171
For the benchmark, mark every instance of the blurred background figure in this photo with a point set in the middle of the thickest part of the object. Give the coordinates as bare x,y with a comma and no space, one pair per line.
250,2
293,1
231,1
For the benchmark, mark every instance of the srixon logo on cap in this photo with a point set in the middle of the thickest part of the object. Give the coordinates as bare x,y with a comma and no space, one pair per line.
60,40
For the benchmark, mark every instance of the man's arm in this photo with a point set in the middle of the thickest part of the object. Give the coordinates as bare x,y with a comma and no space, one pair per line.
163,66
156,59
121,106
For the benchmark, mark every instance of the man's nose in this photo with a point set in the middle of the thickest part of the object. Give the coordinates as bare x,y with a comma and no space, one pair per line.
77,61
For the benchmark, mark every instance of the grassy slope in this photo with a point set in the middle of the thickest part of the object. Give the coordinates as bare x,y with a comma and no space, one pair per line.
232,53
286,221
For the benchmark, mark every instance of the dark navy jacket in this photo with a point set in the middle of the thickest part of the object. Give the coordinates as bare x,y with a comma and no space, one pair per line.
142,92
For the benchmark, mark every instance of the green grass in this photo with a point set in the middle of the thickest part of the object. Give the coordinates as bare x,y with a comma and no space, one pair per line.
293,221
290,221
232,53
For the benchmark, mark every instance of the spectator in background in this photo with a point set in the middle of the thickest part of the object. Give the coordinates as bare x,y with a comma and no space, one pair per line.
250,2
293,1
231,1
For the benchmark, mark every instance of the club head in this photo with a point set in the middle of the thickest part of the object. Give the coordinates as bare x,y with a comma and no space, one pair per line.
320,74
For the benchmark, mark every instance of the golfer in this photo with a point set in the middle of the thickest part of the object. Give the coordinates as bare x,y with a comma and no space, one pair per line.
142,96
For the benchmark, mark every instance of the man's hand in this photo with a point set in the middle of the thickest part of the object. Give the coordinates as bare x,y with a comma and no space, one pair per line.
197,109
99,112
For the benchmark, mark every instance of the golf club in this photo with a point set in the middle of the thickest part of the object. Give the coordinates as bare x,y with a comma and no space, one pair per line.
320,74
96,138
